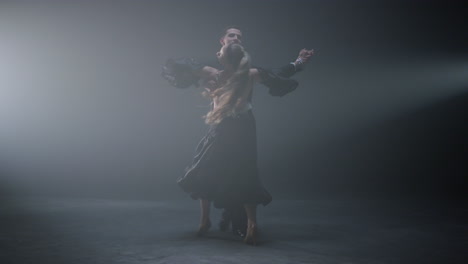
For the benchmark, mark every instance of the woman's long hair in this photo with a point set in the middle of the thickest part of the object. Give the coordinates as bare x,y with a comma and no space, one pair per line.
232,97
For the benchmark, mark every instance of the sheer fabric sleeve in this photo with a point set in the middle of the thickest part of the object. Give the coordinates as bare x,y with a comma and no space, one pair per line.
277,81
287,71
182,72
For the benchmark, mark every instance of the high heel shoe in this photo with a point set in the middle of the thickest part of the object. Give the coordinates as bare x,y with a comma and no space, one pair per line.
203,229
251,236
239,229
239,232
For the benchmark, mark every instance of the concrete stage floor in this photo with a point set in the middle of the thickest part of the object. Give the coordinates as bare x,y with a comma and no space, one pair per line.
46,230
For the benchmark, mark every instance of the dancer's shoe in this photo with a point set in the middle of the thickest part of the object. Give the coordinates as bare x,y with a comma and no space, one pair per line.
239,232
251,236
203,229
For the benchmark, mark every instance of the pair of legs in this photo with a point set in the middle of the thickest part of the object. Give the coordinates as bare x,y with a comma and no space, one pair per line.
250,210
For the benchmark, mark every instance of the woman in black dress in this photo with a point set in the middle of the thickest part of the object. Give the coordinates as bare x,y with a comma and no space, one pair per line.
224,170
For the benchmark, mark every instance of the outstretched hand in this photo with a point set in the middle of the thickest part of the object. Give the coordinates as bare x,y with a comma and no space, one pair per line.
304,56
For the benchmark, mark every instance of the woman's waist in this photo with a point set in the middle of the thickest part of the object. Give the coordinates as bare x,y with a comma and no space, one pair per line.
244,109
244,116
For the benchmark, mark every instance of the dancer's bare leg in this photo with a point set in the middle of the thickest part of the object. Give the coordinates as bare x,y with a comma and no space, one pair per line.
205,222
251,236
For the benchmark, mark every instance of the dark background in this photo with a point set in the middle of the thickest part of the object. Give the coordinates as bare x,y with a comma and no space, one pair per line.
381,110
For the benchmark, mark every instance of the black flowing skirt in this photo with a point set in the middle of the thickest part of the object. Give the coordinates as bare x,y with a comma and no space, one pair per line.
224,169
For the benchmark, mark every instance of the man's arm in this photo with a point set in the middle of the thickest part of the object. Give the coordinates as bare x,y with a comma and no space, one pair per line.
277,80
277,85
298,65
290,69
